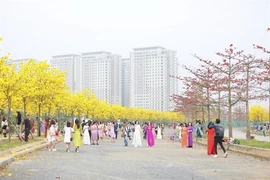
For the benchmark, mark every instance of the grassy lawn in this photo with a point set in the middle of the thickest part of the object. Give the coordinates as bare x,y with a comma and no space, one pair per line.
258,132
255,143
5,144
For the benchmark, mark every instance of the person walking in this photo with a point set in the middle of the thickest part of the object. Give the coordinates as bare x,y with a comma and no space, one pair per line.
68,136
77,140
137,140
51,136
218,139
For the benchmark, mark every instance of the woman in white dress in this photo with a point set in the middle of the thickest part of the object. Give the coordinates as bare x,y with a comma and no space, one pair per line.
159,132
51,136
86,136
68,134
137,140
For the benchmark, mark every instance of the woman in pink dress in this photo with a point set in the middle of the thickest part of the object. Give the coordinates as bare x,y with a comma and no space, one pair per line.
150,140
101,131
94,133
112,133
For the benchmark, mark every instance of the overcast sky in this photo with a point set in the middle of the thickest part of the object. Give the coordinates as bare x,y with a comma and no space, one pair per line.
42,28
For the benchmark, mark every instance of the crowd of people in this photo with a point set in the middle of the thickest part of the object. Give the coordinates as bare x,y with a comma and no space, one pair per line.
93,132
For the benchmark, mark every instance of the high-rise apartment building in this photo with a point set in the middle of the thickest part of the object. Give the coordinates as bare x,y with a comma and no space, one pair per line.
18,62
126,82
101,72
151,84
70,63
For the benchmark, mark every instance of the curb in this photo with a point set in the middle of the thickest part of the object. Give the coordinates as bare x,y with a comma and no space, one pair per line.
11,157
261,153
29,148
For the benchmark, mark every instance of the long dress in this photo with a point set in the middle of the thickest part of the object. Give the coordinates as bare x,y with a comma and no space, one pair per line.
210,141
51,134
68,132
101,131
94,133
137,140
86,137
184,137
77,140
112,133
190,139
150,136
159,133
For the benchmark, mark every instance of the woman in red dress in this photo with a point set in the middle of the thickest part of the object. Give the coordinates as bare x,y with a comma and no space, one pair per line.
184,136
210,140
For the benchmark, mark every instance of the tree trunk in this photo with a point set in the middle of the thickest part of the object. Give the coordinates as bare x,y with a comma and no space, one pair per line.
202,113
247,105
9,117
219,109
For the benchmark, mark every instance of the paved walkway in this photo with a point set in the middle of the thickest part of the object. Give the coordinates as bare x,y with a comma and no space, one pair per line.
240,134
167,160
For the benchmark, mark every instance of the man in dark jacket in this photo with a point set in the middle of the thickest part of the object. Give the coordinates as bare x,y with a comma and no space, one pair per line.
219,135
27,127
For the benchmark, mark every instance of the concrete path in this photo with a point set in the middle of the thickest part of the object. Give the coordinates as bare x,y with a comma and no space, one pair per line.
167,160
240,134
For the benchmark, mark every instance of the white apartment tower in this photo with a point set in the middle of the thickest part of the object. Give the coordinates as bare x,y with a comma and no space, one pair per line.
70,63
101,72
151,84
18,62
126,82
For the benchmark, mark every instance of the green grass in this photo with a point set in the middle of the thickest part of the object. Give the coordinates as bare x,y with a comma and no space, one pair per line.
5,144
255,143
258,132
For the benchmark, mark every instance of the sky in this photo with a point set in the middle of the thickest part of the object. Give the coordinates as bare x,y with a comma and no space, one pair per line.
42,28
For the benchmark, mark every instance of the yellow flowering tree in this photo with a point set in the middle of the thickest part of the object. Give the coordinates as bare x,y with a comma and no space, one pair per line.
258,113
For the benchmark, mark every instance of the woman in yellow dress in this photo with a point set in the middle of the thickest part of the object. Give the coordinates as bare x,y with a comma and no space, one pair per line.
77,139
